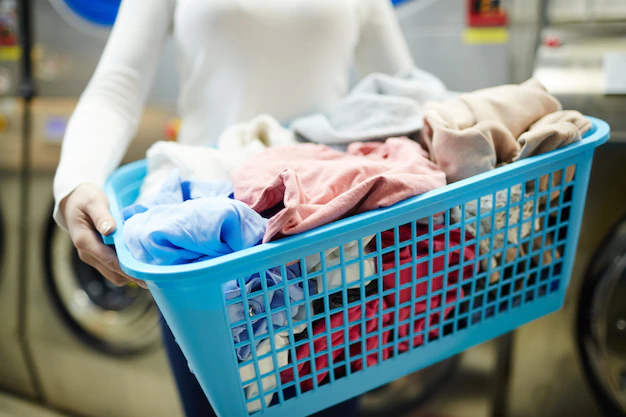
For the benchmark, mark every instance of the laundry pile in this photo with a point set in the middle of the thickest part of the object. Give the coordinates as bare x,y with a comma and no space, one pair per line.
390,139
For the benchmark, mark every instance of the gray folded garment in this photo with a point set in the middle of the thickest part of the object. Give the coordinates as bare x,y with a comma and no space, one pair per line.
379,107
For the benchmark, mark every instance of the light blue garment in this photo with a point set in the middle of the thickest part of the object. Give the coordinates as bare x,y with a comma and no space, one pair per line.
190,221
205,228
276,299
175,191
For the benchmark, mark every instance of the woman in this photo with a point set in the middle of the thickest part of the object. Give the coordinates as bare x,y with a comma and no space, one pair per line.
236,59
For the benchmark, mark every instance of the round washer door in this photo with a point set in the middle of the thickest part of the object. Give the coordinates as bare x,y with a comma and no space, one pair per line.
601,324
97,12
92,18
100,12
115,320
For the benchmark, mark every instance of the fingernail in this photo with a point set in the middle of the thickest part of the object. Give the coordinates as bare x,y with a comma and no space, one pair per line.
105,227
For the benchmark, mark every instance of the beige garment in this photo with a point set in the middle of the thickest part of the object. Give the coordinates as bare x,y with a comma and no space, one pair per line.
547,255
473,133
552,132
516,220
352,272
513,232
266,366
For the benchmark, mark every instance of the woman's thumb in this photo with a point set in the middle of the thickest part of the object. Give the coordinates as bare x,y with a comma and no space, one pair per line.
98,210
106,226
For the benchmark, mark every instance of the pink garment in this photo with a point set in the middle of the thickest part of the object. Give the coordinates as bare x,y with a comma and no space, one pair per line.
421,271
318,185
320,344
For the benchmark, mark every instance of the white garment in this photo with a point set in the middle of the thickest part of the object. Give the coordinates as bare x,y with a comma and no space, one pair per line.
266,366
234,147
515,218
333,258
236,59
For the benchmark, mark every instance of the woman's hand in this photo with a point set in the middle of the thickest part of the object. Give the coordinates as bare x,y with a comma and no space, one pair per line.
86,211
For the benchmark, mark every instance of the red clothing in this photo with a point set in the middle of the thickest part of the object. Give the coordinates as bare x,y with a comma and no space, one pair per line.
320,344
421,271
373,310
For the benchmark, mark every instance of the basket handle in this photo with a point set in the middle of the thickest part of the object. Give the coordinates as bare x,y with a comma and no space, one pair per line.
108,240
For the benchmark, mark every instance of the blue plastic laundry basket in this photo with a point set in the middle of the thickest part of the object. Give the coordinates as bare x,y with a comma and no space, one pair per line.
457,311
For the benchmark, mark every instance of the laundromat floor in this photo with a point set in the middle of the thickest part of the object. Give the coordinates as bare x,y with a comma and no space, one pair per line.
11,406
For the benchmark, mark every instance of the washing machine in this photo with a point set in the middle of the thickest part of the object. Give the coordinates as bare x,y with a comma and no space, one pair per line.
15,375
95,348
69,37
573,362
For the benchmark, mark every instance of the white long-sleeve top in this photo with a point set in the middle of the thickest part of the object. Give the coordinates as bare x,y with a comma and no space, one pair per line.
235,58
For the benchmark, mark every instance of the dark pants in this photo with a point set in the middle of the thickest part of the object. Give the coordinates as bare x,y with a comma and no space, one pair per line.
195,403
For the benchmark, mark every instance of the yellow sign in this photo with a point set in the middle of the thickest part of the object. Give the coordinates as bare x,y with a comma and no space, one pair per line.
482,36
10,53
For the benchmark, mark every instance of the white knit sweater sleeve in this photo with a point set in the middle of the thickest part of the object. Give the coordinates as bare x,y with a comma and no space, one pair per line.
382,46
109,110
